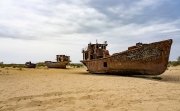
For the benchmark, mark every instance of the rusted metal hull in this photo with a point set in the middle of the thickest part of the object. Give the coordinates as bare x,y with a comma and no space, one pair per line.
151,59
61,65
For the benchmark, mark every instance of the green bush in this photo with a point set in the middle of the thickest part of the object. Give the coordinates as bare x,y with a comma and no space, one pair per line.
76,65
40,64
174,63
12,65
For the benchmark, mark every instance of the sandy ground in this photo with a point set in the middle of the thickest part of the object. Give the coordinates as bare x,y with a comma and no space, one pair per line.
76,90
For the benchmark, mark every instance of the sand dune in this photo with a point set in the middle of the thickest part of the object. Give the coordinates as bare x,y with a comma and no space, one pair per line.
77,90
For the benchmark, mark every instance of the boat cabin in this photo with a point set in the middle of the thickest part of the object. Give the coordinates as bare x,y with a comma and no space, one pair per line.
62,58
95,51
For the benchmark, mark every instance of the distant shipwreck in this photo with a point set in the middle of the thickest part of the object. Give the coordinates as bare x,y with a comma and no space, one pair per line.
30,65
62,61
145,59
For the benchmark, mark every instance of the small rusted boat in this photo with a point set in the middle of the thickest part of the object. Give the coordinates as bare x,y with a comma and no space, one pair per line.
62,61
30,65
146,59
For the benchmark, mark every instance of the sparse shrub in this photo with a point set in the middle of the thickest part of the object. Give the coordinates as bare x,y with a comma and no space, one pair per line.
174,63
12,65
40,64
1,65
76,65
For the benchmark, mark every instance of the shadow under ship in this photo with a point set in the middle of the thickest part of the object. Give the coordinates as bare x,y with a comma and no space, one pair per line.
144,59
62,61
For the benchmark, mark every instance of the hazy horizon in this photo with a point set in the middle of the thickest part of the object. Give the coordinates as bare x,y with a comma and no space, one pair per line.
38,30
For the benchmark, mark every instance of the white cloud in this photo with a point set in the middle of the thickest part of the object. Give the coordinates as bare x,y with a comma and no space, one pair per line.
45,28
21,18
135,8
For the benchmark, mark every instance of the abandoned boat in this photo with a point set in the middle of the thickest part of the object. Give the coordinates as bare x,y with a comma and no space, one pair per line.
146,59
30,65
62,61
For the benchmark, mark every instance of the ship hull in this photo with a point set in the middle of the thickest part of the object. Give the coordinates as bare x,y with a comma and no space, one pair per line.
151,59
61,65
30,66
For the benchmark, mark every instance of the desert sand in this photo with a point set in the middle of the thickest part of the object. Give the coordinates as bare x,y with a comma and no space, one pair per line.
74,89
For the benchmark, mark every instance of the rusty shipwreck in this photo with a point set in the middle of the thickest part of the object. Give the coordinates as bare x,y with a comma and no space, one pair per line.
30,65
146,59
61,62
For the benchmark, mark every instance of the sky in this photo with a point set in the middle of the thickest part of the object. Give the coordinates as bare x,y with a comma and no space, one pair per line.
38,30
